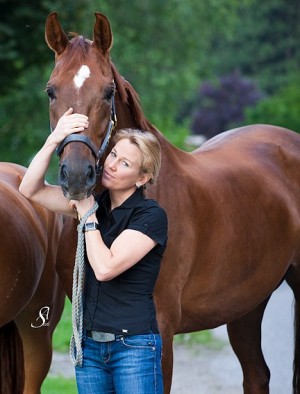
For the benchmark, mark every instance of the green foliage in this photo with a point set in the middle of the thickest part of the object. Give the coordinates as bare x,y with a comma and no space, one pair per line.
265,43
19,28
24,120
175,133
159,47
164,49
281,109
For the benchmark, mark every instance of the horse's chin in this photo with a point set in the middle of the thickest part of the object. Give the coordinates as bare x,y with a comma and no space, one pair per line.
76,196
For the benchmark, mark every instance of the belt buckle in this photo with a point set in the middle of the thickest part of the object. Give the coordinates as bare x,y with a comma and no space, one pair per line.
100,336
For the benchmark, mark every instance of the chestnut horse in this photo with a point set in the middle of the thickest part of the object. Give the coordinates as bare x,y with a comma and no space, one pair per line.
233,206
31,295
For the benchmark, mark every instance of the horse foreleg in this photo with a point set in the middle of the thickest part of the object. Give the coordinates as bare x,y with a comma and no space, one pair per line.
245,338
36,325
167,362
166,322
37,357
293,280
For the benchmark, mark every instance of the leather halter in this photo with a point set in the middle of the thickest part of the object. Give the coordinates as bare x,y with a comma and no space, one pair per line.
88,142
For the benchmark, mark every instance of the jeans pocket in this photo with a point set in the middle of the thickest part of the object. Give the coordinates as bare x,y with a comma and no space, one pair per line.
140,341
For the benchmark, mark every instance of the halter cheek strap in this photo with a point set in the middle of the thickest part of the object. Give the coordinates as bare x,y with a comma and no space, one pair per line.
87,141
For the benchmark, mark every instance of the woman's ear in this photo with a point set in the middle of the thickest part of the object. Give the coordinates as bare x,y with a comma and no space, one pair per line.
143,180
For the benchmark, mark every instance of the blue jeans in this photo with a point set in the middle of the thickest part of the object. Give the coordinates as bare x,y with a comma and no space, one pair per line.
128,365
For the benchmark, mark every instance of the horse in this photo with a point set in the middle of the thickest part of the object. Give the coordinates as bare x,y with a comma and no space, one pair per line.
31,294
233,205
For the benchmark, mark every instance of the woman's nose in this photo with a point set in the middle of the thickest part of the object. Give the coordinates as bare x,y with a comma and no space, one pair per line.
112,165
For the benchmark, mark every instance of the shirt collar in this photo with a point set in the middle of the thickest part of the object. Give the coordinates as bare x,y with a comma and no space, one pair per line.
130,202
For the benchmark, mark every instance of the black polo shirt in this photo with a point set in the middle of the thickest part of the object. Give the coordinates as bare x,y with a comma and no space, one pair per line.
124,305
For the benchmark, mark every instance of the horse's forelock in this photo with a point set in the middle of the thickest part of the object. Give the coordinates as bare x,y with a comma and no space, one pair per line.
76,52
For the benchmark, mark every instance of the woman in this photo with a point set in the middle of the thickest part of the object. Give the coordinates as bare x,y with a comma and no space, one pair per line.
125,240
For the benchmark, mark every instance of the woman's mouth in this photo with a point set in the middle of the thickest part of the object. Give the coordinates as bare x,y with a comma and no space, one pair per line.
107,175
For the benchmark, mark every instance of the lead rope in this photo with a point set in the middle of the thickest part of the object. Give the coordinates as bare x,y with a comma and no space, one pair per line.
77,293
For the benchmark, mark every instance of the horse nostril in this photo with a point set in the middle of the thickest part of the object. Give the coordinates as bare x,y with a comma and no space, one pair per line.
91,175
63,174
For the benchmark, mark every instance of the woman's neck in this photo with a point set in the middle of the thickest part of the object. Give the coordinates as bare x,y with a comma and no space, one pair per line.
117,197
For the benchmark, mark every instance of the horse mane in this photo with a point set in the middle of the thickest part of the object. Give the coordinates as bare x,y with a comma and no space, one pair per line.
129,97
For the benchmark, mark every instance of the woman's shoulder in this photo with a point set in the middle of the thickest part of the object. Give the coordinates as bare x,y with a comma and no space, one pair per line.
151,208
150,218
151,203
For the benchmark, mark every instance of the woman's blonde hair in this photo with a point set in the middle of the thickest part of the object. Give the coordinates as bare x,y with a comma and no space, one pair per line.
148,145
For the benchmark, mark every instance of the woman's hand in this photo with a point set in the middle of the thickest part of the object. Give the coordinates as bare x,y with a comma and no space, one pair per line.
83,206
68,124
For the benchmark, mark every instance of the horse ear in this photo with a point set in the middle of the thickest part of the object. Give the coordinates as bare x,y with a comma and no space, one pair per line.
102,34
55,36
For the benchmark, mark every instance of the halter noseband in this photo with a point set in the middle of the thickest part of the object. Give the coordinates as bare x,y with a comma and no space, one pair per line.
87,141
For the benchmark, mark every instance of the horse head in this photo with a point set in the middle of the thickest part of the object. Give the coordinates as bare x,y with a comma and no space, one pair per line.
83,79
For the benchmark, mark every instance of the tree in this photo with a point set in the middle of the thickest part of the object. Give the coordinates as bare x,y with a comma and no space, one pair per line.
156,48
265,43
22,43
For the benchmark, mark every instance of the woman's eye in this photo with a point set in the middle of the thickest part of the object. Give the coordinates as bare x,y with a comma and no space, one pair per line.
125,164
113,154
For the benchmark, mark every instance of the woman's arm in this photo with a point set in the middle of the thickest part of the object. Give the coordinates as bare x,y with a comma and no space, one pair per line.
33,185
126,250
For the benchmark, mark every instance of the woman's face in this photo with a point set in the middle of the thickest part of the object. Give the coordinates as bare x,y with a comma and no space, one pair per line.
122,167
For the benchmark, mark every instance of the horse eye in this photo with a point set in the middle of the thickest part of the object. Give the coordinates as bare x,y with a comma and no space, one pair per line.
51,93
108,94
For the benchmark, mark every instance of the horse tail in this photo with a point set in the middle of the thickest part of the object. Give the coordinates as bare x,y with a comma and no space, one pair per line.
12,373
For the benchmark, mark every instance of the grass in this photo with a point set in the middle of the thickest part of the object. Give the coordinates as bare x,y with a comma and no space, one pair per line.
58,386
63,331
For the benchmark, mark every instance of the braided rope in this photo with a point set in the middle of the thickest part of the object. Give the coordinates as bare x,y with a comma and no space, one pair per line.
77,293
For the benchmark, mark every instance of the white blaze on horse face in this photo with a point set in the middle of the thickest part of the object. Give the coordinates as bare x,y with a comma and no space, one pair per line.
82,74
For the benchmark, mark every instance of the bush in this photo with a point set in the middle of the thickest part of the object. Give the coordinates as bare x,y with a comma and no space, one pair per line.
221,105
281,109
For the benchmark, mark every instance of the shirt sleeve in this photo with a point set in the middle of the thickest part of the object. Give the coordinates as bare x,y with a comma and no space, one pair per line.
152,221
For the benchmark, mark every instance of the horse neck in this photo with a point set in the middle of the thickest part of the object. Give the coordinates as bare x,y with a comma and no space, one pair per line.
130,114
172,157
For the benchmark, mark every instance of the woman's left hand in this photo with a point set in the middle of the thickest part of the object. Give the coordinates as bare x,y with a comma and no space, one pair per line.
83,206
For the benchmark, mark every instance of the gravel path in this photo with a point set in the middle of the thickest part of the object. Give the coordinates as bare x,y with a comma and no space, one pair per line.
206,371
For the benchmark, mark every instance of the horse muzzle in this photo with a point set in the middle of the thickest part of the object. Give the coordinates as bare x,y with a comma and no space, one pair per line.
77,182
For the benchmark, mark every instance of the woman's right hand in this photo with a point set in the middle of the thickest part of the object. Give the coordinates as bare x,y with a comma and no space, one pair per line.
68,124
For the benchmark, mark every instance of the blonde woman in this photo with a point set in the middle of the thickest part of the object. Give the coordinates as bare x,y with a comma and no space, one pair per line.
125,240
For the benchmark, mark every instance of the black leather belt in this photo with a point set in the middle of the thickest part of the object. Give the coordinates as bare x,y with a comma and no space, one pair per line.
100,336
